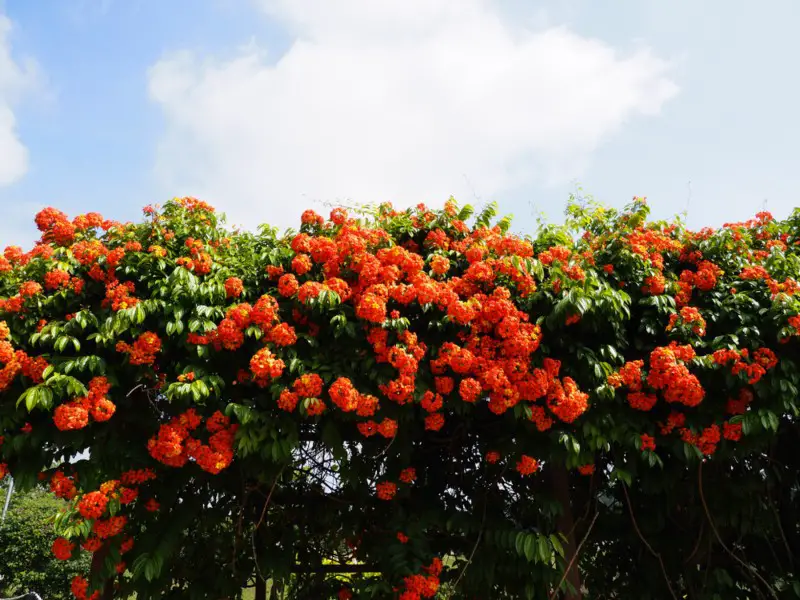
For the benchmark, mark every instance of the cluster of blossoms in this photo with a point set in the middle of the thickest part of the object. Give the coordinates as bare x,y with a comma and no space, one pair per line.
667,374
199,260
17,362
76,414
386,490
763,359
689,317
143,351
424,585
174,444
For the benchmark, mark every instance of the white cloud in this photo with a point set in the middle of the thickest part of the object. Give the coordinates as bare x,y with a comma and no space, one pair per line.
400,100
15,79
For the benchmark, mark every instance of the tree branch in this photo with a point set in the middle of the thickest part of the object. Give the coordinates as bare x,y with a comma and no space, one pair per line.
574,557
647,544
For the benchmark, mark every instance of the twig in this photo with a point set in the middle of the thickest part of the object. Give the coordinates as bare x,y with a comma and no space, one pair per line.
474,549
588,508
719,538
386,449
646,543
781,531
574,557
269,497
134,389
260,521
697,544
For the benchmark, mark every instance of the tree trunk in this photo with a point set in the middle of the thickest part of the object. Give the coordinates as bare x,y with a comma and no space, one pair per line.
261,589
566,525
96,569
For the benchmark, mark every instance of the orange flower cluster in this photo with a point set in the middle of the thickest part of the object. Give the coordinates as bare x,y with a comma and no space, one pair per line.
763,360
233,287
706,441
110,527
93,505
62,548
80,587
200,262
527,465
56,279
174,445
648,442
119,295
423,586
386,490
738,405
669,374
689,317
15,362
63,486
75,414
144,349
654,285
265,367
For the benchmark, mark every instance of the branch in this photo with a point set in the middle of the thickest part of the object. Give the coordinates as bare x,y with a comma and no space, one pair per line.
261,520
574,557
646,544
474,548
697,544
269,497
747,566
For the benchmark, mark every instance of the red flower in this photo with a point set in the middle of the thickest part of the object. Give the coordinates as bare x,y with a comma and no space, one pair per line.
62,548
492,457
434,421
386,490
388,428
29,289
288,400
408,475
233,287
527,465
93,505
648,442
344,395
287,285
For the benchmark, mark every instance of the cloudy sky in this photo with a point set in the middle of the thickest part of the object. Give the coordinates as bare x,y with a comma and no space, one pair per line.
267,107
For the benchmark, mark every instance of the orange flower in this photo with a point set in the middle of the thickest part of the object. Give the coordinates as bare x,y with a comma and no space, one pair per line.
386,490
527,465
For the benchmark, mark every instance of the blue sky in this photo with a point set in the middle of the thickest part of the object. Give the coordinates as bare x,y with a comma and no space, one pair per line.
266,107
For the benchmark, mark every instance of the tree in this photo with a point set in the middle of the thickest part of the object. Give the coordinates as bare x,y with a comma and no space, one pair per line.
26,536
410,403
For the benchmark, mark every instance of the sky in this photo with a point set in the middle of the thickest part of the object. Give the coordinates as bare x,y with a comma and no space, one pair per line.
264,108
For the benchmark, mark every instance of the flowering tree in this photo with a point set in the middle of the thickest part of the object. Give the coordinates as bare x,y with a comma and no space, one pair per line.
409,403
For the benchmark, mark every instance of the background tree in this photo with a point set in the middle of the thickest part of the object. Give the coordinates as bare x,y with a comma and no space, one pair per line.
26,561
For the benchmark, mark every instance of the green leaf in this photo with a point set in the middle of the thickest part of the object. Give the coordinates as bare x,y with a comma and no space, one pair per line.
543,549
557,545
530,547
519,543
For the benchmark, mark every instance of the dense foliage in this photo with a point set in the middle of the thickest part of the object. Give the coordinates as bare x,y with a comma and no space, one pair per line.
410,404
26,535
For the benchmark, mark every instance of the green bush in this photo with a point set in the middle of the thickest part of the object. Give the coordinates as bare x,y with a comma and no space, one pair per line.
26,563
